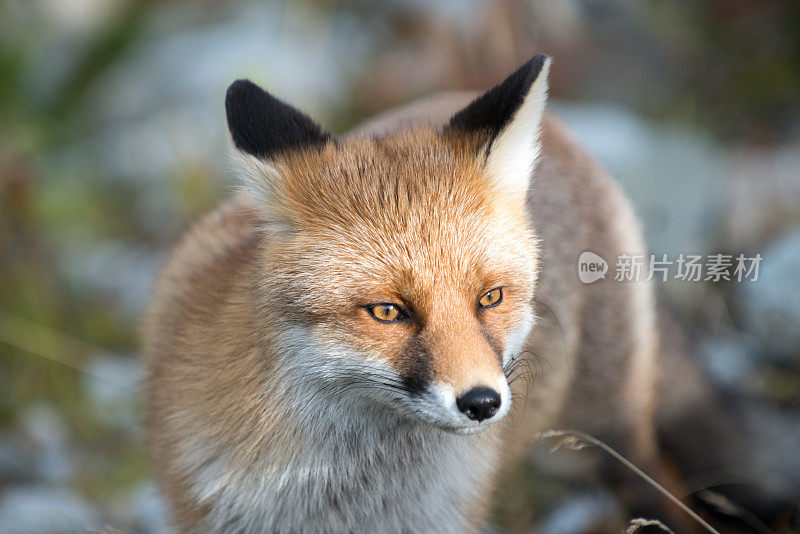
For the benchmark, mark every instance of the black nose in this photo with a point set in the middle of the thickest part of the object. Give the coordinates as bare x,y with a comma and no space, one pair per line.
479,403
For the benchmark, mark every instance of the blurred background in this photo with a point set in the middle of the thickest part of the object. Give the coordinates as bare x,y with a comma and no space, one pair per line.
113,139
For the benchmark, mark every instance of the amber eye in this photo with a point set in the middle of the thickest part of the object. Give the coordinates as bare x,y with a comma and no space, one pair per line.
491,298
386,313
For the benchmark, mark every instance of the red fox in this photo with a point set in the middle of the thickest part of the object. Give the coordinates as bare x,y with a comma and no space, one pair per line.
335,348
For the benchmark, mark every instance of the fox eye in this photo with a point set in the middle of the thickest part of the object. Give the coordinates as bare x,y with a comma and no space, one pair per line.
386,313
491,298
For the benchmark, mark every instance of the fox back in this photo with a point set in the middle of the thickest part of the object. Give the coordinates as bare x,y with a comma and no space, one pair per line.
336,347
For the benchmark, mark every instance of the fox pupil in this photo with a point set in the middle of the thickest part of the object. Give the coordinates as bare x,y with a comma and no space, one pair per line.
491,298
385,312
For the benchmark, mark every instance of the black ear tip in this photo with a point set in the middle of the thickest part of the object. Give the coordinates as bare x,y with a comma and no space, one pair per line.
530,70
242,84
263,126
493,110
241,90
538,59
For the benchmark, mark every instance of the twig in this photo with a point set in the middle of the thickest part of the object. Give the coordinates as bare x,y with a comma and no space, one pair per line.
576,440
640,522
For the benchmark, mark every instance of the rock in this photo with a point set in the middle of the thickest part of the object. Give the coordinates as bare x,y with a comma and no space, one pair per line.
762,195
776,435
770,306
112,383
583,513
45,510
144,509
730,360
17,462
122,269
49,443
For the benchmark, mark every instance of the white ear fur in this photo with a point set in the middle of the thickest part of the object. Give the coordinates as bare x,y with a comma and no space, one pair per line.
515,151
258,176
260,179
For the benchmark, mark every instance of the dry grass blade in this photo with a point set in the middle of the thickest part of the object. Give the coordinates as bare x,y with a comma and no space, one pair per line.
576,440
636,524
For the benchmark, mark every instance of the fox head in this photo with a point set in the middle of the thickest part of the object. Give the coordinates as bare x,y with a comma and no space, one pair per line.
397,271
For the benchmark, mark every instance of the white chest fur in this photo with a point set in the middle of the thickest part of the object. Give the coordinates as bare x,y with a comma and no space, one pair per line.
365,473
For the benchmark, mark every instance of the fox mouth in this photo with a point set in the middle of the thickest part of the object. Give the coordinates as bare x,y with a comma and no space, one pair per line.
469,430
469,413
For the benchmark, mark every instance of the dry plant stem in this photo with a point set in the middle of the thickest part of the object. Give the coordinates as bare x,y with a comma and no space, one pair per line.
577,440
636,525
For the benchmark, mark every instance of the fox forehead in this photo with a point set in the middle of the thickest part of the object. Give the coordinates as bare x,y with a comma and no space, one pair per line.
382,180
394,217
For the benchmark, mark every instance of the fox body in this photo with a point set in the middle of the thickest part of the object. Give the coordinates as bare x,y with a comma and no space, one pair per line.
335,349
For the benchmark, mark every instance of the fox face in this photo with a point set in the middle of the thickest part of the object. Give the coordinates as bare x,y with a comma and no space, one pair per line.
397,272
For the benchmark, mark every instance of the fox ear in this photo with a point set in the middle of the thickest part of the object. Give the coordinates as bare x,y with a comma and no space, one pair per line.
507,119
263,126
